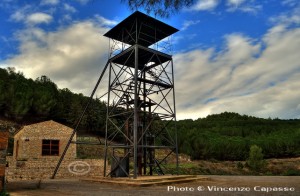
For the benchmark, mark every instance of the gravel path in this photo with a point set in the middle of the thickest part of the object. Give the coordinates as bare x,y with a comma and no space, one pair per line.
217,185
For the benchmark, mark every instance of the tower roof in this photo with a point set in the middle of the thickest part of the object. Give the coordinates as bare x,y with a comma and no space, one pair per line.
141,29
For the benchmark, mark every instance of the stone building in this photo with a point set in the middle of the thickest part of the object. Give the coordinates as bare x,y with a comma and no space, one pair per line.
37,149
43,140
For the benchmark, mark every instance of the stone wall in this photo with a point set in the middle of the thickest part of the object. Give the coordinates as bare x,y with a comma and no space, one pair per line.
28,141
28,162
44,168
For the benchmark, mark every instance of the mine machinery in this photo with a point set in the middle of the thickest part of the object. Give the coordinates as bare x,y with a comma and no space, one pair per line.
141,130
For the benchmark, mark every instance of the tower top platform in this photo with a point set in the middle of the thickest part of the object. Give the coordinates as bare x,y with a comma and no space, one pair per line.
139,28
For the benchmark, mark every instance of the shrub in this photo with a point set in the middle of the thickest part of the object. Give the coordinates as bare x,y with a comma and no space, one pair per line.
4,193
292,172
239,165
256,160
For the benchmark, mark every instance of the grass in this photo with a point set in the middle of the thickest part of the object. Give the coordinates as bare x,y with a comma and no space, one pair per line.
283,167
89,151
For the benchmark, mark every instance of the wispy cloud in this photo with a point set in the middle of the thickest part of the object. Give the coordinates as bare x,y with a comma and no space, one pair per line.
188,23
69,8
105,22
49,2
83,1
235,3
256,77
20,14
289,18
38,18
25,14
290,2
250,7
6,4
202,5
292,19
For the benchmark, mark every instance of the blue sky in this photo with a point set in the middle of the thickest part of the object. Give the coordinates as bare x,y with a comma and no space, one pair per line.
229,55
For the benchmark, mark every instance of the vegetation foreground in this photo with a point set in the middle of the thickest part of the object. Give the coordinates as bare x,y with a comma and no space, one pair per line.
276,167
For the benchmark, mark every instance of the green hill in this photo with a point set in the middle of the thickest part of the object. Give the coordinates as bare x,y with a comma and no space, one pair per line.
228,136
225,136
26,100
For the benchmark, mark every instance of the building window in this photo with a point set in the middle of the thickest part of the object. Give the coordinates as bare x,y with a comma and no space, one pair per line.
50,148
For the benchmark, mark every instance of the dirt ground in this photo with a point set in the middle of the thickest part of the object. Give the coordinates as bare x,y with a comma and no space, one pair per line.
216,185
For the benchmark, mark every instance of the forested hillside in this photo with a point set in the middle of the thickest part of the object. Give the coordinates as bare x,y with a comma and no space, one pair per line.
27,100
226,136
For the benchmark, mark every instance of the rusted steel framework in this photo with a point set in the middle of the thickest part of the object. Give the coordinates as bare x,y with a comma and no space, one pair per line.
141,98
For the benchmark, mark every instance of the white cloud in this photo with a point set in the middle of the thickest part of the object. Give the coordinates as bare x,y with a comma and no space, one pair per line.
254,77
17,16
188,23
66,17
105,21
235,2
83,1
252,9
238,49
72,56
69,8
38,17
6,4
49,2
277,101
291,3
20,14
24,15
205,5
243,6
289,18
294,19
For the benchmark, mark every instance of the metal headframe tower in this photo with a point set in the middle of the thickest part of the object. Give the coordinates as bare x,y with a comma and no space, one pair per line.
141,98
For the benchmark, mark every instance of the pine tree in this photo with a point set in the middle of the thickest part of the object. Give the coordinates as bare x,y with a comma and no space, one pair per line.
256,160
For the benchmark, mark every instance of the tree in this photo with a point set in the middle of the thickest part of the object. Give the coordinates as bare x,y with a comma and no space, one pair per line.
256,160
95,116
19,95
62,109
162,8
45,96
4,78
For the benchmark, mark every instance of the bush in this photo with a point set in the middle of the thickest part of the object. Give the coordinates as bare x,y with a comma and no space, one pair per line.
239,165
256,160
292,172
4,193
